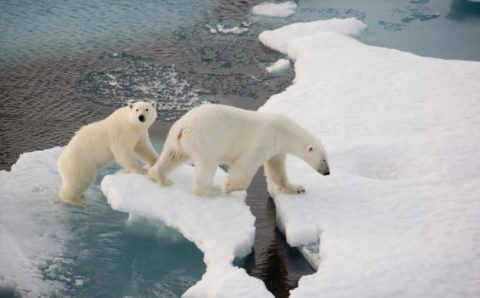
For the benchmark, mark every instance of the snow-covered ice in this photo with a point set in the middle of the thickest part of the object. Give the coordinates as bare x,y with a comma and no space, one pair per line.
279,66
400,214
31,237
271,9
222,227
279,39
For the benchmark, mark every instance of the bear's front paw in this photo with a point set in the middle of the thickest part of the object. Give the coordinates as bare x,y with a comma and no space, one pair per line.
293,189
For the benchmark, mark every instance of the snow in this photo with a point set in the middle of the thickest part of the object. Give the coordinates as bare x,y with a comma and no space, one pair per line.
399,215
30,238
281,10
222,227
279,66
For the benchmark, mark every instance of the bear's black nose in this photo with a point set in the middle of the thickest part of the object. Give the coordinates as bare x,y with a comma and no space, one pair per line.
141,118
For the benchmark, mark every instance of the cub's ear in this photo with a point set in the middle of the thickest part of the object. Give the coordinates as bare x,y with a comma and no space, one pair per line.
153,103
130,104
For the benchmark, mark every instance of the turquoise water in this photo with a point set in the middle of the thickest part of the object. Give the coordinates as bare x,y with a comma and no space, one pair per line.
83,58
113,254
442,29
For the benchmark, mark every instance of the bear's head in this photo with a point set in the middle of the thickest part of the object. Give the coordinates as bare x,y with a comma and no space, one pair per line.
142,113
316,156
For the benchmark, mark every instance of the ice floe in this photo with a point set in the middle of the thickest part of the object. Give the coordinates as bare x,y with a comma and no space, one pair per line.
271,9
236,30
279,66
32,227
222,227
399,216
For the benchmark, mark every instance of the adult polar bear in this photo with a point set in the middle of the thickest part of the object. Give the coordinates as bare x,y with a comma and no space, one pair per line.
121,137
212,135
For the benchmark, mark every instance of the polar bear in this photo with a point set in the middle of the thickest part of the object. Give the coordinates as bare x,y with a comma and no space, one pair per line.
211,135
121,137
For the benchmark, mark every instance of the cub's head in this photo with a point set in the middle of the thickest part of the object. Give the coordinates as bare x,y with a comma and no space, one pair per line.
316,156
142,113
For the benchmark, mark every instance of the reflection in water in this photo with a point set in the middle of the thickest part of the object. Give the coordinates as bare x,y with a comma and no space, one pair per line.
273,260
463,9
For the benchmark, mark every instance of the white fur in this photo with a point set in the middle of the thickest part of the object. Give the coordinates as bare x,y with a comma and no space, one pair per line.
212,135
121,137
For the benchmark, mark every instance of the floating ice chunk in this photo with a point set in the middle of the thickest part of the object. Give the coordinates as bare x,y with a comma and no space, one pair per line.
275,9
233,30
279,66
222,227
32,227
212,29
398,216
279,39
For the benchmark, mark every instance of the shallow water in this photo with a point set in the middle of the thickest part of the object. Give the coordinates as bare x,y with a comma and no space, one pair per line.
65,64
112,254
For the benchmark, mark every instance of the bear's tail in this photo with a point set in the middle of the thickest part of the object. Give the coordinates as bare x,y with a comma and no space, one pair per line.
173,144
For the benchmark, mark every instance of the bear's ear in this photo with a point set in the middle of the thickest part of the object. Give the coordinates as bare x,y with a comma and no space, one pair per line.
130,104
153,103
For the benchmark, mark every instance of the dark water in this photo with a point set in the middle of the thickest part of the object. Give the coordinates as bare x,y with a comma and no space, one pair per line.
64,64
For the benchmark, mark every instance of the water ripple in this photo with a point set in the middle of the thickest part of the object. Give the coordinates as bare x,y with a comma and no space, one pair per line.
137,78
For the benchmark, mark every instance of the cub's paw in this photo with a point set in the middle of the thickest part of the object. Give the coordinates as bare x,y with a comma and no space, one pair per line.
159,180
77,202
211,191
139,170
165,182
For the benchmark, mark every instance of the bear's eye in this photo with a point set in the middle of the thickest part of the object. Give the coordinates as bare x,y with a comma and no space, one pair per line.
137,110
310,149
146,110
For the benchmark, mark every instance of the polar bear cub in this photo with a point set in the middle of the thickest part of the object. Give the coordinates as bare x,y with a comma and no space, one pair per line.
211,135
121,137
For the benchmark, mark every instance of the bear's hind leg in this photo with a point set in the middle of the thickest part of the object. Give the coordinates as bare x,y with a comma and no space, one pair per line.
166,163
239,177
204,176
